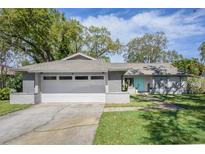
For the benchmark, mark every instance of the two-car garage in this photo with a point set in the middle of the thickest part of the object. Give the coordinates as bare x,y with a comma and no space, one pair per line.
76,78
72,87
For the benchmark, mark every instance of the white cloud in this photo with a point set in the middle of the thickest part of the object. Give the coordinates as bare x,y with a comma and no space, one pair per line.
176,26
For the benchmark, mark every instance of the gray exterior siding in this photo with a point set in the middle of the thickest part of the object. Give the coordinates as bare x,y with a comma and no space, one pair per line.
28,83
169,85
161,84
21,98
115,81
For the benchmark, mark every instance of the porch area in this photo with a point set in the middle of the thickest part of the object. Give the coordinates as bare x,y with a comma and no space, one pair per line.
160,84
138,84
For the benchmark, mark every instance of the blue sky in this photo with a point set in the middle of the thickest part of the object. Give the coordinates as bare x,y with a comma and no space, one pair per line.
184,28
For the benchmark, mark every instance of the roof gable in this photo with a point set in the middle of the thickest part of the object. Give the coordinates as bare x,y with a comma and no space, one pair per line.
79,56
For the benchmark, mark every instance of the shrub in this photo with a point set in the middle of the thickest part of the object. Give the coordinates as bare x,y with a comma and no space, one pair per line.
196,85
15,82
4,93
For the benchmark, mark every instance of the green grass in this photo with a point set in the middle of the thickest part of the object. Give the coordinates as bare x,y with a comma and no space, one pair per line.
151,127
136,101
187,101
6,108
185,126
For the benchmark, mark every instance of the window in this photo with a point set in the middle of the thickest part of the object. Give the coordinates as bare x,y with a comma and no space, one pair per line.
81,77
49,78
65,77
97,77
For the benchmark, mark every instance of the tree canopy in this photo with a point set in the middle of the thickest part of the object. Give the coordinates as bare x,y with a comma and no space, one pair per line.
46,35
43,34
171,56
150,48
99,42
190,66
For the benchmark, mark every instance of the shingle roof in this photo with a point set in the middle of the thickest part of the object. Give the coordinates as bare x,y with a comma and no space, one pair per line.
146,68
152,69
67,66
80,65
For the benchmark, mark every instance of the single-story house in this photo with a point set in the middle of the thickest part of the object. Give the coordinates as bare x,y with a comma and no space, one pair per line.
81,78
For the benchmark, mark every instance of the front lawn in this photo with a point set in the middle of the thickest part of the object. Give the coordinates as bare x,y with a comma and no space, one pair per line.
187,101
136,101
151,127
185,126
6,108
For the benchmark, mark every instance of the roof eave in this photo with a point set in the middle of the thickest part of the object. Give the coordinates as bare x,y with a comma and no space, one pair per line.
62,71
19,70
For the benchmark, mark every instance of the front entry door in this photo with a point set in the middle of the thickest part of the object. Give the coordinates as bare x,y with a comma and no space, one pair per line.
139,83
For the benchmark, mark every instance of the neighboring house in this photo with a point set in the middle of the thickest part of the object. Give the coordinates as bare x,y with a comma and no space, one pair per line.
81,78
6,72
203,74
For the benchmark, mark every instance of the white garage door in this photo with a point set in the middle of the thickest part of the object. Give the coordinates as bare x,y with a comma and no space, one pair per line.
73,97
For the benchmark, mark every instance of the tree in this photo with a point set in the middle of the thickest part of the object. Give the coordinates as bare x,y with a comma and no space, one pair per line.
72,37
28,30
43,34
171,56
190,66
99,42
147,48
202,52
5,59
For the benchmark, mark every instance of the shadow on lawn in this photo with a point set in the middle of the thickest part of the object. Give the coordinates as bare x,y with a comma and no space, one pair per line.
189,101
171,127
141,98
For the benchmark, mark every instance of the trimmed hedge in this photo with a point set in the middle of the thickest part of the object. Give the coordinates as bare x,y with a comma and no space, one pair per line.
4,93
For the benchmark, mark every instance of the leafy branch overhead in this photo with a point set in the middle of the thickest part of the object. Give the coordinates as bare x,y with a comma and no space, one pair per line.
150,48
46,35
99,42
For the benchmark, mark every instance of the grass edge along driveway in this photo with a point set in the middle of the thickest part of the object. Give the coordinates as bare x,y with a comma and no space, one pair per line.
6,107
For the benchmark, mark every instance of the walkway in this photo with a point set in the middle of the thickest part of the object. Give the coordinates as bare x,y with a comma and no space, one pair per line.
161,106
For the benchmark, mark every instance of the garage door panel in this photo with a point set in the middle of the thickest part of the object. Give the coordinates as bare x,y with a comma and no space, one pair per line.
59,86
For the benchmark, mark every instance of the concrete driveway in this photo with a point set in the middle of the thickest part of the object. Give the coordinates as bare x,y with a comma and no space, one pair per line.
59,123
